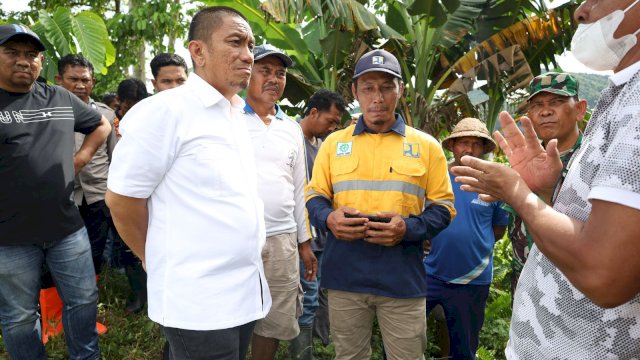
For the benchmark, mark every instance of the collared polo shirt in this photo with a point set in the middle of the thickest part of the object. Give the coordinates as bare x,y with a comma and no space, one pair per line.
188,151
280,160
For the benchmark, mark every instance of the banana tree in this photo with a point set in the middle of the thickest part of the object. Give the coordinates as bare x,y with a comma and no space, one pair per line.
508,59
323,37
63,33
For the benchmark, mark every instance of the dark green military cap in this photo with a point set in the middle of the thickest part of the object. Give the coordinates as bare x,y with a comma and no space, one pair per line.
553,82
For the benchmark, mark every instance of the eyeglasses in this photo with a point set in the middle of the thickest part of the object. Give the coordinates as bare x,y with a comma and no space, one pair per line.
537,105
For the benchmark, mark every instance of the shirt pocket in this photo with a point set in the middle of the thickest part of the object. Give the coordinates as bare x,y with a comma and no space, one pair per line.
344,166
408,174
214,164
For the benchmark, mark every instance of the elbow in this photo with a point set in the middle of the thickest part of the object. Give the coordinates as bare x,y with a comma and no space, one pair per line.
607,291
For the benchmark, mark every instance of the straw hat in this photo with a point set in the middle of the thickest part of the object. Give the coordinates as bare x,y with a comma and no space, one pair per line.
470,127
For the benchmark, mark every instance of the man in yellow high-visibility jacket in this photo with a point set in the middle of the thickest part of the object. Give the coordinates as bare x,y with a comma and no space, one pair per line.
380,188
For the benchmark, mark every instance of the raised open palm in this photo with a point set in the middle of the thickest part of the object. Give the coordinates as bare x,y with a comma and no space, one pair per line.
538,167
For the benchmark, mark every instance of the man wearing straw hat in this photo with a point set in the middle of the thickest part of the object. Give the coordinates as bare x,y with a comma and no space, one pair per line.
460,263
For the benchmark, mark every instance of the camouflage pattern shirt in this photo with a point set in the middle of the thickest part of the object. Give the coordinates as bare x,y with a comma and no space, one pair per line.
551,318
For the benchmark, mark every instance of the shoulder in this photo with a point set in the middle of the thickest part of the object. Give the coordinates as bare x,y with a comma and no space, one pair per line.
105,110
414,134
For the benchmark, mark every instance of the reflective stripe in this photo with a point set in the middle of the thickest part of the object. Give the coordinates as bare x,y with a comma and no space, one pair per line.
465,279
446,203
368,185
313,192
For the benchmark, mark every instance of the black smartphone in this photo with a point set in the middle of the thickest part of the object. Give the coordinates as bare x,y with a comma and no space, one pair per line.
369,216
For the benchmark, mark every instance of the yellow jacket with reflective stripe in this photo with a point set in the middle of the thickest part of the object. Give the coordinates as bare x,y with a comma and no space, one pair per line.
382,172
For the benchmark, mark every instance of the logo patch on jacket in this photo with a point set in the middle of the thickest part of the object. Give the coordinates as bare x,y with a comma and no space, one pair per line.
343,148
411,150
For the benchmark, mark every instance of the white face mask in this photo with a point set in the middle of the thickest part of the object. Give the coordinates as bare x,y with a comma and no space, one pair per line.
594,46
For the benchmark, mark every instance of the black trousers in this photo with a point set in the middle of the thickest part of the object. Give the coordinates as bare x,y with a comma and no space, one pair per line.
225,344
97,220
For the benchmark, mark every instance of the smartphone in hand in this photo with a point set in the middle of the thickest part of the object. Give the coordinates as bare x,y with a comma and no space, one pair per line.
371,217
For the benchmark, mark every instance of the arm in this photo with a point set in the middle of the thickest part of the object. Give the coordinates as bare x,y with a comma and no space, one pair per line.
299,182
90,145
131,218
498,231
598,256
309,260
112,139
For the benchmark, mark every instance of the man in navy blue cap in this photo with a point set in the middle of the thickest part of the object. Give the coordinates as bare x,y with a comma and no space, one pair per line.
380,188
278,148
39,220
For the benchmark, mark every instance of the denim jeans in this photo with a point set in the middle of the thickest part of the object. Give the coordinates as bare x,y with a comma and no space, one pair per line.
71,265
225,344
310,288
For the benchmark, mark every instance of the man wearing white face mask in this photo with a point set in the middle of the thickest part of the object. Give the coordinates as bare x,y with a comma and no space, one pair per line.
579,293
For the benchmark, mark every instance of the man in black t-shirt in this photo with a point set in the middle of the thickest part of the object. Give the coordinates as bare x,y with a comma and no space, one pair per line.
38,219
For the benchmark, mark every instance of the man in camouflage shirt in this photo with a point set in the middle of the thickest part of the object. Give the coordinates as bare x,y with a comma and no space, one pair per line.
579,293
555,111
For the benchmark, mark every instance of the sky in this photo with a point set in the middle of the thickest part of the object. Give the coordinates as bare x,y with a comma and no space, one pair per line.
567,61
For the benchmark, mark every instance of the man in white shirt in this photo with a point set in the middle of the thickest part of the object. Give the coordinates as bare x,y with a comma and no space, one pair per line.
183,195
278,146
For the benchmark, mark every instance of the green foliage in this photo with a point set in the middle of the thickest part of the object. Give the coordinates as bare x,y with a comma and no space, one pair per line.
591,86
64,33
129,337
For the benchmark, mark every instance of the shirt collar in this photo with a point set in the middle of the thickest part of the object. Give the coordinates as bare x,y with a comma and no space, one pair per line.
207,94
398,127
621,77
249,110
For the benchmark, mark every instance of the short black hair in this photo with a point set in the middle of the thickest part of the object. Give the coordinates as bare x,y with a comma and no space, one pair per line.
323,99
208,20
166,59
132,89
108,98
73,60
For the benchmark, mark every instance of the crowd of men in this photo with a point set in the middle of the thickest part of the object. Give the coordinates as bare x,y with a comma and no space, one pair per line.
239,228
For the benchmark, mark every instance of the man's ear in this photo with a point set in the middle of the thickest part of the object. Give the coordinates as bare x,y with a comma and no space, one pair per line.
196,50
58,79
353,89
581,106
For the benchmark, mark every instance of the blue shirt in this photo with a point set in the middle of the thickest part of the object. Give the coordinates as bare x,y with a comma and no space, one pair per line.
463,252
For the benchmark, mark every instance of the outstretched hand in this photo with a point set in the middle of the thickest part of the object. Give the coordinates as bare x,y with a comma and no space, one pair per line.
493,181
540,168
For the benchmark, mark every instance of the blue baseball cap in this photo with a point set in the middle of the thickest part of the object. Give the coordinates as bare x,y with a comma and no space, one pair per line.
378,60
11,31
262,51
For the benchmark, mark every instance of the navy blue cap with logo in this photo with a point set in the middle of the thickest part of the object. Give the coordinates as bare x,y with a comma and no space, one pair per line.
262,51
14,31
378,60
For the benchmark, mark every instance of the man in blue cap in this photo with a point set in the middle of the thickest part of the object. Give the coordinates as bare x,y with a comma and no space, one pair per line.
278,148
380,188
39,220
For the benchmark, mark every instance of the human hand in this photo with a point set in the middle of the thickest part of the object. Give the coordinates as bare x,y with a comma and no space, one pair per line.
309,260
540,168
491,180
346,228
386,234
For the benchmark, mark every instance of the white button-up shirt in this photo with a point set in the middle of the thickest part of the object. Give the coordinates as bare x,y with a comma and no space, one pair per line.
280,158
188,151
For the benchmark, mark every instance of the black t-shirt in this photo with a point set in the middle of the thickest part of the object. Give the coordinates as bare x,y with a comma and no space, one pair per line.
36,163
